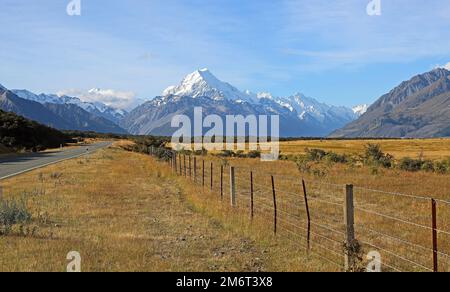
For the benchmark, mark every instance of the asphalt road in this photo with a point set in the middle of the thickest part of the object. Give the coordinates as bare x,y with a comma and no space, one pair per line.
12,166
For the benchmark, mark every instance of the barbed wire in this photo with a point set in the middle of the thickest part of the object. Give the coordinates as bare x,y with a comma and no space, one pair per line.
265,204
315,243
298,181
396,255
312,232
400,194
364,228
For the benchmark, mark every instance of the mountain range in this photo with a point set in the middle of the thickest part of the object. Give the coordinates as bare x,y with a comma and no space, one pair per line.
63,113
417,108
97,108
299,115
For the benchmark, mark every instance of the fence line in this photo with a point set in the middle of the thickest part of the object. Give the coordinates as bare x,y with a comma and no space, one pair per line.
287,206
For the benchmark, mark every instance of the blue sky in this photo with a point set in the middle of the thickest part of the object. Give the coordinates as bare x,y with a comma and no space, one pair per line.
329,50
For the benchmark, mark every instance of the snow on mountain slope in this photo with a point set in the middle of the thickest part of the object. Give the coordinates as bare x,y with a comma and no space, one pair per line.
359,110
202,83
96,108
299,115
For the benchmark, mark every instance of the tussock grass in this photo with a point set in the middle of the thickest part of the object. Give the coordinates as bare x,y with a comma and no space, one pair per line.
434,149
126,212
326,193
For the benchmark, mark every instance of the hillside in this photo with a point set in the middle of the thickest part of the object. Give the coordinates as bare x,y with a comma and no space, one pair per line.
154,117
60,116
299,115
35,111
18,133
418,108
160,227
82,120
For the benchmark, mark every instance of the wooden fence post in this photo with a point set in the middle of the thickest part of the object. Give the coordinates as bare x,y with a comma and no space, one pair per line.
232,187
181,167
221,182
435,236
184,159
274,207
212,176
308,216
349,217
190,167
173,161
203,174
252,203
195,169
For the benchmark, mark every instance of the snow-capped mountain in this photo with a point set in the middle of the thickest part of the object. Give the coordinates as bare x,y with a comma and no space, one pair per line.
63,116
304,105
299,115
202,83
359,110
97,108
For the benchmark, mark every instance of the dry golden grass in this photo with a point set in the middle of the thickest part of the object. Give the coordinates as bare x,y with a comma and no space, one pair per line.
430,148
434,149
123,144
390,237
126,212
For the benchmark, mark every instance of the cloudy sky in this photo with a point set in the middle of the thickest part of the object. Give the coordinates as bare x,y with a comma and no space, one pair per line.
330,50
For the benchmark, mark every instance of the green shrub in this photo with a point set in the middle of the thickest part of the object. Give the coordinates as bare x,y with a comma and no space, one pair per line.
303,164
428,165
202,152
336,158
315,154
410,164
227,153
373,152
185,152
442,167
12,213
375,156
254,154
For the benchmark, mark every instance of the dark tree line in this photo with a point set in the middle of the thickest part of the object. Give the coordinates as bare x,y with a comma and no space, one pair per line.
18,133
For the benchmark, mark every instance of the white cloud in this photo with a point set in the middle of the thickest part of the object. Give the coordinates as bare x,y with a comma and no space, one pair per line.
447,66
110,97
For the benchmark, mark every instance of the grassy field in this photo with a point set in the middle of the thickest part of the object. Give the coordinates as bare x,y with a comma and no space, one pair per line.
435,149
379,193
393,214
125,212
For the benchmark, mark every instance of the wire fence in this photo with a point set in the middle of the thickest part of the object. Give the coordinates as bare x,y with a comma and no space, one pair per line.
409,232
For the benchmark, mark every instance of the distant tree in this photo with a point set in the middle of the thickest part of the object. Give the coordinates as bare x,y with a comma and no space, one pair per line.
19,133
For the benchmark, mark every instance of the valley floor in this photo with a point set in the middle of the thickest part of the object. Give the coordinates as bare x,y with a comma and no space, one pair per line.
126,212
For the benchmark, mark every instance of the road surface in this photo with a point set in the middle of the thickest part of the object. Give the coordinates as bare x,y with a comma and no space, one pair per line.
12,166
